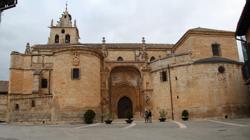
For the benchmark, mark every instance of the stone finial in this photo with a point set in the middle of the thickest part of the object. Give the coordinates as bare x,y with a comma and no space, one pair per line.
104,48
28,44
143,40
27,50
74,23
51,24
103,40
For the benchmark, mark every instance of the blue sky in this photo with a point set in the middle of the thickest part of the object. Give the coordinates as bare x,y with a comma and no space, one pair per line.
159,21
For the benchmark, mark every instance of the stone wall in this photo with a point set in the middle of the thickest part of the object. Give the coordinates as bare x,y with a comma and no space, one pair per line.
205,92
72,97
3,108
199,43
30,108
202,90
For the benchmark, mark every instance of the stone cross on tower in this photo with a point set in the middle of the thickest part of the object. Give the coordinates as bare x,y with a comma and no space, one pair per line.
66,9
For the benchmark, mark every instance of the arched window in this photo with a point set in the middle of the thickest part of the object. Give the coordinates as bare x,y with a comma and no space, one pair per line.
163,76
56,38
44,83
67,38
152,58
119,58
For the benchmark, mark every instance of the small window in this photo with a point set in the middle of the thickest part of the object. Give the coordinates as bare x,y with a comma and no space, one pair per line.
44,83
216,49
119,58
67,38
152,58
75,73
163,76
33,103
56,38
16,107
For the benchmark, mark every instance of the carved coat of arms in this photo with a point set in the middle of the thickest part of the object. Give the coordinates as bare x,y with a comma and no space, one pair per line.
76,59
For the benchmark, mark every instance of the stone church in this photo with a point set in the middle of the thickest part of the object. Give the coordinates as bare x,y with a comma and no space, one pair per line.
60,80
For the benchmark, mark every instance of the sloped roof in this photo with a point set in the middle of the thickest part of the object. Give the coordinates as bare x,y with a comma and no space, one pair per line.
137,45
200,30
244,21
209,30
4,85
216,60
109,45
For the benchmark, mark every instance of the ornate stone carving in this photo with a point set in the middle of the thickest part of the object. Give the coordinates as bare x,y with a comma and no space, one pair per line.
76,59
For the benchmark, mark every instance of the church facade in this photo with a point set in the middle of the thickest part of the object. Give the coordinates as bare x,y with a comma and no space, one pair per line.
60,80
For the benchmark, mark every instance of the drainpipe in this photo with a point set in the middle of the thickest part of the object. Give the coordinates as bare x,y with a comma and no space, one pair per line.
171,93
49,80
110,107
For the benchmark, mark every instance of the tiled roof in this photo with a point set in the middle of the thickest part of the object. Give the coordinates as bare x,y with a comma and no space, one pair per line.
209,30
110,45
4,85
216,60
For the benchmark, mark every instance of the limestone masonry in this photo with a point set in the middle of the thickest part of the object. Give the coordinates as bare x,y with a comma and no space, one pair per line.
60,80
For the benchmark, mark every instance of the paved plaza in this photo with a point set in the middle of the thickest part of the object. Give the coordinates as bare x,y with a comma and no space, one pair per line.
230,129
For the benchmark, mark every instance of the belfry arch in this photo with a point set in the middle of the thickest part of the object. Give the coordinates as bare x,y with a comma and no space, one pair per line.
125,83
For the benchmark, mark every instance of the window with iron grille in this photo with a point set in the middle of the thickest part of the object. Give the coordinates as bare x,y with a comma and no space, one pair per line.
216,49
44,83
163,76
75,73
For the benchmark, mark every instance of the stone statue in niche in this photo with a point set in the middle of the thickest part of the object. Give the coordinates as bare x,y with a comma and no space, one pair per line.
147,100
76,59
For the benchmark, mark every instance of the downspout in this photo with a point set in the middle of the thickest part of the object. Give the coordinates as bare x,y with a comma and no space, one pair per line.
171,93
110,107
101,78
49,80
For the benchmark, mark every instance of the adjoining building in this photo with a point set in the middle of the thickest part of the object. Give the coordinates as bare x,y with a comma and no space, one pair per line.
243,34
6,4
60,80
4,85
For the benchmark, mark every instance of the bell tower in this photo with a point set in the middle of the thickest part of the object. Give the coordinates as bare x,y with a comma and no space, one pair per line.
64,32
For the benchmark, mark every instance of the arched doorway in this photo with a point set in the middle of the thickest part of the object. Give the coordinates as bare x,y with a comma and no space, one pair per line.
125,81
124,106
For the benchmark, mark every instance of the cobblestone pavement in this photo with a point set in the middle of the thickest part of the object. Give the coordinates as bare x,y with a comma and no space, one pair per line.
234,129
